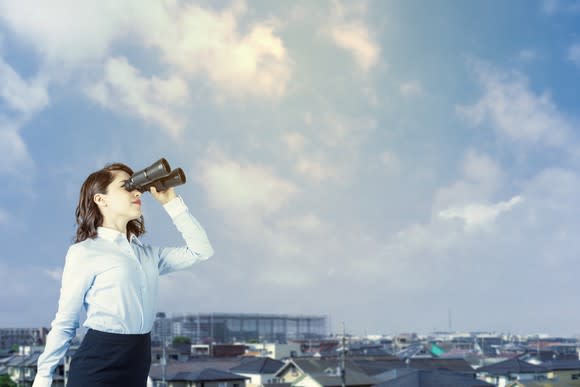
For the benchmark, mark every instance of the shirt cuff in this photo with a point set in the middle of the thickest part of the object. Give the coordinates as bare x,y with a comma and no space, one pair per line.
175,207
40,381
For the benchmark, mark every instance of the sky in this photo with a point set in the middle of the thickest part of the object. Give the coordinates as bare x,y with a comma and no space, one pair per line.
388,164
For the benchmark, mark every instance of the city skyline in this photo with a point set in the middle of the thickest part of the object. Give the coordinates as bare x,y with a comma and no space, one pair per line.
379,162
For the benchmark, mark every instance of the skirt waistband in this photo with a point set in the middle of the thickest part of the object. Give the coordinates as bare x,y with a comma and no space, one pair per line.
117,337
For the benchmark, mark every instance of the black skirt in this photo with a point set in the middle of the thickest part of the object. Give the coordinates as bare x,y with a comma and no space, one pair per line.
111,360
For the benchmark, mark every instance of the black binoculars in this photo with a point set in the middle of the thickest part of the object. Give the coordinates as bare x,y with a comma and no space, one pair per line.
158,175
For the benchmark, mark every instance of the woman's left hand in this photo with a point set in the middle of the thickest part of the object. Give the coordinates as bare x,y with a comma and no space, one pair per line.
163,197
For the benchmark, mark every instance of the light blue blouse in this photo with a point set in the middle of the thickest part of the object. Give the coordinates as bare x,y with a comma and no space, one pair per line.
116,281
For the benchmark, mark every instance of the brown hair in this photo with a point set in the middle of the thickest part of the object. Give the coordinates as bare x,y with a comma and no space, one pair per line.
88,215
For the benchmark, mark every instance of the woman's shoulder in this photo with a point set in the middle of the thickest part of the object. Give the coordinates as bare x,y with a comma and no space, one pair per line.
81,247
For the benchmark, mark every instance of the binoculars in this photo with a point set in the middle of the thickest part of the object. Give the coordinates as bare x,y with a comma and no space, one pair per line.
158,175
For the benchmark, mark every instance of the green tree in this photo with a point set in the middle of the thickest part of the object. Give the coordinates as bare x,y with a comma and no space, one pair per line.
5,381
177,340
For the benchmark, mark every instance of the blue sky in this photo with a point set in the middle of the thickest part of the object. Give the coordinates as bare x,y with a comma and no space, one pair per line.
381,162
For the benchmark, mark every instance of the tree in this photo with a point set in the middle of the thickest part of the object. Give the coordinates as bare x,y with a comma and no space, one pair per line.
5,381
178,340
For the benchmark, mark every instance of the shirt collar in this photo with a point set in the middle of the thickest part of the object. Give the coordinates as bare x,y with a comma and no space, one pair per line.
114,235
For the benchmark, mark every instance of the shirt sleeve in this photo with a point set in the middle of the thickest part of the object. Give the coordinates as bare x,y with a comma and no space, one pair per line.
76,280
198,247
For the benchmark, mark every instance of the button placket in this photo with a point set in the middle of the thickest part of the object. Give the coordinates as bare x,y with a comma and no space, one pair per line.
143,283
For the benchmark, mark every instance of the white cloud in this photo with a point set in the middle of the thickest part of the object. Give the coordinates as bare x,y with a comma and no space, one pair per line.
69,32
156,100
411,89
419,255
14,155
574,54
21,96
332,150
242,188
515,111
480,179
193,41
21,99
478,215
480,168
262,210
349,31
199,41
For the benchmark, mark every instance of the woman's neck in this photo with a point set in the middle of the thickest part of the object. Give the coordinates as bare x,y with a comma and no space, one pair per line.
118,225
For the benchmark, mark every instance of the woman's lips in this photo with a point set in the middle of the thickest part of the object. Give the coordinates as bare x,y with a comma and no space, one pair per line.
137,201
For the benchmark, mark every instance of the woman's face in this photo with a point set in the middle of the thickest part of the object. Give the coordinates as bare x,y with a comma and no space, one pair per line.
120,203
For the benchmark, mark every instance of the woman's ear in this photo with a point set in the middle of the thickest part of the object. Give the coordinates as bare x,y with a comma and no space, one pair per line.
99,200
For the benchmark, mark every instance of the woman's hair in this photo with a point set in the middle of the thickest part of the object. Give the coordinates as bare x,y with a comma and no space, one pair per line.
88,215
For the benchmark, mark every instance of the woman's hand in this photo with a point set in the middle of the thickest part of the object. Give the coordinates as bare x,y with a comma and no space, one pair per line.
163,197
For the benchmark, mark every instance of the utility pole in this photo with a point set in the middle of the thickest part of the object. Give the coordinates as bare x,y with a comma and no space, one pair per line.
164,363
343,357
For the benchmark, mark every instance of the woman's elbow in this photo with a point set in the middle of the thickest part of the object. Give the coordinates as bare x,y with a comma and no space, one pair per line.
207,253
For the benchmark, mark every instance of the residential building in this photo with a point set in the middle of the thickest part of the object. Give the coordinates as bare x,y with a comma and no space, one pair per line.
206,378
563,372
274,350
261,370
315,372
14,337
411,377
505,373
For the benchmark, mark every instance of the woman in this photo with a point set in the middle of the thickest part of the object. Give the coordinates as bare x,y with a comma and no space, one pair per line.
114,276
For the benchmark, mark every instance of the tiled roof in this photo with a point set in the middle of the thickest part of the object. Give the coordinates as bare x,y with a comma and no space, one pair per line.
352,378
433,378
512,366
262,365
23,361
561,365
374,367
326,372
173,368
206,375
317,365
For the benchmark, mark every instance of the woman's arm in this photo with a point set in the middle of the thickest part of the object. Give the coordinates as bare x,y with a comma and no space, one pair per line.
198,247
76,280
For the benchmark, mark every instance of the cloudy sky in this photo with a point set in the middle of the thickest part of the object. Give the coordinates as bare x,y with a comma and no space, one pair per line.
380,162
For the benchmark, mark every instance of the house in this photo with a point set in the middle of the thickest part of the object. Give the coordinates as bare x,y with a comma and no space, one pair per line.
196,365
260,370
563,372
317,372
208,377
376,367
411,377
274,350
505,373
